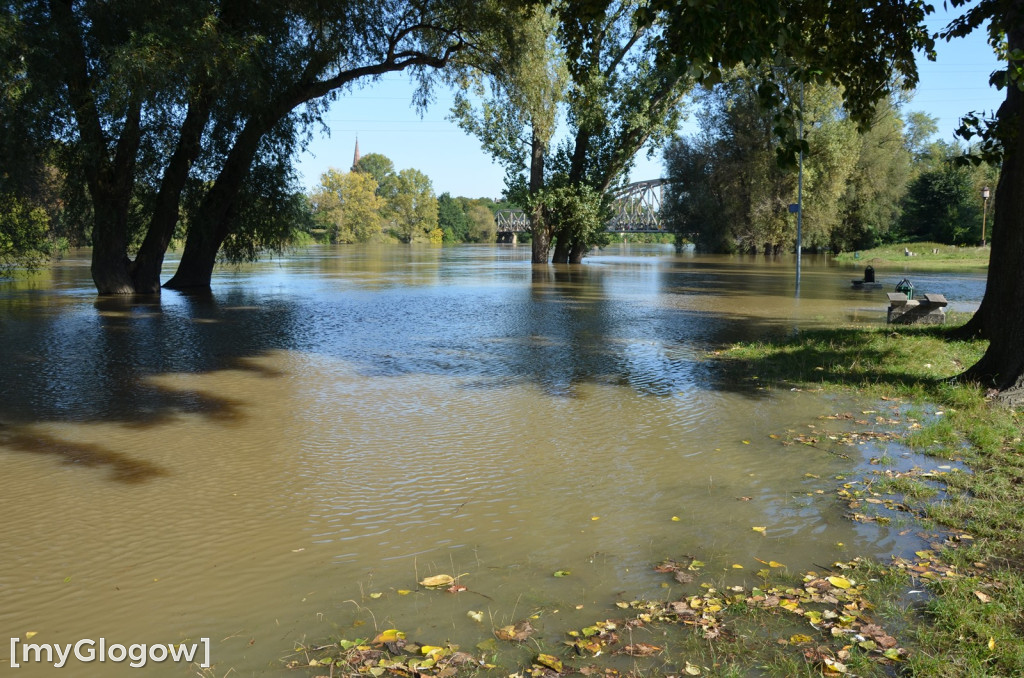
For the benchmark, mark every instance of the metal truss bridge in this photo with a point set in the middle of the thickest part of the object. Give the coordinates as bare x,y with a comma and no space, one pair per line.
636,208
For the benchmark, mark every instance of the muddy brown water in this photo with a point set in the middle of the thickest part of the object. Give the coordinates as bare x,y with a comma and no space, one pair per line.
254,466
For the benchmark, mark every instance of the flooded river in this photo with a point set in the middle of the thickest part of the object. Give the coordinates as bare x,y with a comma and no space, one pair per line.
284,459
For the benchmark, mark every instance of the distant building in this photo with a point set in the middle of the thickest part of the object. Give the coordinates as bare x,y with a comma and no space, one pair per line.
355,156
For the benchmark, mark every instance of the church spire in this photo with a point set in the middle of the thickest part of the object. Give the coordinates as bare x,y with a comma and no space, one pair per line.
355,156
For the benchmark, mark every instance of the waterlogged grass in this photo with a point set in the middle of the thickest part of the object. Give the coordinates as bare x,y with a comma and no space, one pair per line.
954,609
973,623
923,255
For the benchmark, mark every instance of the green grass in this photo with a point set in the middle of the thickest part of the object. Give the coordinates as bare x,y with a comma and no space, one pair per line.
959,632
925,255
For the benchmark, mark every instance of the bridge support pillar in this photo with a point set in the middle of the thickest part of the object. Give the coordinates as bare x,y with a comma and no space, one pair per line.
507,237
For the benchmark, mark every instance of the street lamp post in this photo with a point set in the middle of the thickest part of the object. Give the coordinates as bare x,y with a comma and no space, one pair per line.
984,212
800,193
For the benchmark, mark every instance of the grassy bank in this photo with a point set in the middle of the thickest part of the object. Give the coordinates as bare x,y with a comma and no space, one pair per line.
922,255
973,624
954,609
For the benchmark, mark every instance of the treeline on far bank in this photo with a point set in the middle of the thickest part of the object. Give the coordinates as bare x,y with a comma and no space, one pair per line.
375,203
893,183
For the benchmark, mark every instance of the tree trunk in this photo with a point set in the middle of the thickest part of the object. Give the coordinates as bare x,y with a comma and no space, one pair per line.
217,212
206,234
540,233
109,237
1001,316
576,252
145,271
540,236
562,246
195,270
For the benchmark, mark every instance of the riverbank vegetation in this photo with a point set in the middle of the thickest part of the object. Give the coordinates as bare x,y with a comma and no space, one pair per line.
951,608
929,255
890,184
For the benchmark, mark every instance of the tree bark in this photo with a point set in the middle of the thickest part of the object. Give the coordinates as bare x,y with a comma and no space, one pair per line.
1001,315
216,215
109,172
540,232
145,270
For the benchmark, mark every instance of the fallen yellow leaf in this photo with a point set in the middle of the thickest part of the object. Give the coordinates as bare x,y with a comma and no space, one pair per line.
438,580
389,636
839,582
759,529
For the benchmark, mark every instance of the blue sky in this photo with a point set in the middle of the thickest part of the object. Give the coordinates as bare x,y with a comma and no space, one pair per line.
382,117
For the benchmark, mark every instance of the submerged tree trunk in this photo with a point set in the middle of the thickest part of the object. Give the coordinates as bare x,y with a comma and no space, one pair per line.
195,270
213,223
109,236
145,270
577,251
562,246
540,232
109,166
1001,316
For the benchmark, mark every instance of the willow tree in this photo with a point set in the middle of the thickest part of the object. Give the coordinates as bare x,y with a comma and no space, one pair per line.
347,207
727,190
152,98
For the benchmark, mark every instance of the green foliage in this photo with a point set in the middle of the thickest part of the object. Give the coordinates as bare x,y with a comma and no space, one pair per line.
481,222
347,207
272,214
941,206
157,105
452,219
579,212
411,212
730,194
24,235
380,168
944,202
618,96
872,203
508,97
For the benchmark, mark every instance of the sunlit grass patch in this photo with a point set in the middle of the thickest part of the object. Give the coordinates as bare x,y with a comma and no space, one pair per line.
971,625
923,255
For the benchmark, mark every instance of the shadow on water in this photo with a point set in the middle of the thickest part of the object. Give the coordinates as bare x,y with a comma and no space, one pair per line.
72,357
85,363
122,467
